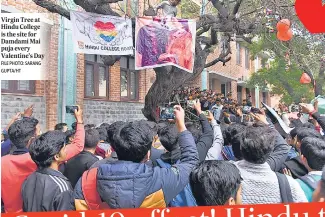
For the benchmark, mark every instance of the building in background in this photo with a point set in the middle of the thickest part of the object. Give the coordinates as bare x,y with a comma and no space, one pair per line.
233,77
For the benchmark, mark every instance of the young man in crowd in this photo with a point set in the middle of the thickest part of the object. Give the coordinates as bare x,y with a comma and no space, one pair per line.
77,165
110,154
155,187
62,126
217,109
203,135
168,136
319,193
215,152
216,183
21,134
313,156
260,183
296,165
47,189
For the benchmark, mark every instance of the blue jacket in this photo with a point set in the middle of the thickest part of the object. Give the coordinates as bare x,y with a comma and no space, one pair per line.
124,184
5,145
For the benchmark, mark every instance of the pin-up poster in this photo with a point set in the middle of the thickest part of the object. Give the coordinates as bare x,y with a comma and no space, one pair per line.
101,34
165,41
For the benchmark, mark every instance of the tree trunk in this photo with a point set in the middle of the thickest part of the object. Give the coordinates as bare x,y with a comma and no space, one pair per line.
320,81
168,79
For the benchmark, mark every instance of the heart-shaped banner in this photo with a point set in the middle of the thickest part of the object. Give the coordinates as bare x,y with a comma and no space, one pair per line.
106,31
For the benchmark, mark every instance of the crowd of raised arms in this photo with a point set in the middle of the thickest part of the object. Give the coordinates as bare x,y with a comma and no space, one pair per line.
233,154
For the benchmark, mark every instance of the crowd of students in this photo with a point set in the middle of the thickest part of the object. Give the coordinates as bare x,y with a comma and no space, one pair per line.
219,160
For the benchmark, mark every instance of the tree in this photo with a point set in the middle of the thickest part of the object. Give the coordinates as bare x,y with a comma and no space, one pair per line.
305,52
282,82
227,20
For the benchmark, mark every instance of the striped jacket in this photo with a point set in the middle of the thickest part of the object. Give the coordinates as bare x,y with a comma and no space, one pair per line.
47,190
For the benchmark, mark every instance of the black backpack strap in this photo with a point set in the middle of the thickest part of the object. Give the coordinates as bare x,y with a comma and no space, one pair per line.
285,189
310,181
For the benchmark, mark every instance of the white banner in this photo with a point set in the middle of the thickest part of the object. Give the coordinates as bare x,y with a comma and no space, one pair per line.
101,34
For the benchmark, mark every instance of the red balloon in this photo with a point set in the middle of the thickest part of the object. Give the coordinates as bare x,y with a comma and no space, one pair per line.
305,79
286,36
283,25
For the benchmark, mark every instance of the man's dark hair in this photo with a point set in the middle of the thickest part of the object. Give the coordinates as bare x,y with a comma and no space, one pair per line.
68,134
307,132
236,146
162,124
21,131
74,125
257,143
104,126
195,129
89,126
102,133
60,126
45,147
152,125
232,131
308,125
168,137
112,130
132,142
296,123
214,182
92,138
293,132
313,149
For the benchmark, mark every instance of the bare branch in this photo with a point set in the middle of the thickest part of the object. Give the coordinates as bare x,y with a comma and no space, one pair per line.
93,7
251,12
206,20
247,39
237,6
203,30
222,10
52,7
219,59
222,57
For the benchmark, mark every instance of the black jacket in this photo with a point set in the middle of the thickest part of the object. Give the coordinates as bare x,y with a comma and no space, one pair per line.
47,190
206,139
320,120
76,166
279,154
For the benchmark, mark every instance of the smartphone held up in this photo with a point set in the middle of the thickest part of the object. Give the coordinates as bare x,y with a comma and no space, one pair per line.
71,109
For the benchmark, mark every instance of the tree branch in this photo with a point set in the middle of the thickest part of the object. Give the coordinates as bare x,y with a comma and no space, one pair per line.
236,7
93,7
251,12
203,30
219,59
222,10
52,7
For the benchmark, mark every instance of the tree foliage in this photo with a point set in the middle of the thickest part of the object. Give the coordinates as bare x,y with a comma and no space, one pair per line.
305,52
282,82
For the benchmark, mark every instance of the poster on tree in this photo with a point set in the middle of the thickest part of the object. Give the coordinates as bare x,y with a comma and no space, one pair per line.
101,34
164,41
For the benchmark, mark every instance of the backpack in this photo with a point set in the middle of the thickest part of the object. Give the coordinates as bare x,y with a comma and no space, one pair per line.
285,189
310,181
185,198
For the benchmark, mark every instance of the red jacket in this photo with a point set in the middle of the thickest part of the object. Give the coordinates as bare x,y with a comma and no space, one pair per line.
16,168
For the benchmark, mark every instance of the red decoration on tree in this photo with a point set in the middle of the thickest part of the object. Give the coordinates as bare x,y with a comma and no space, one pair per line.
283,25
305,79
285,36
